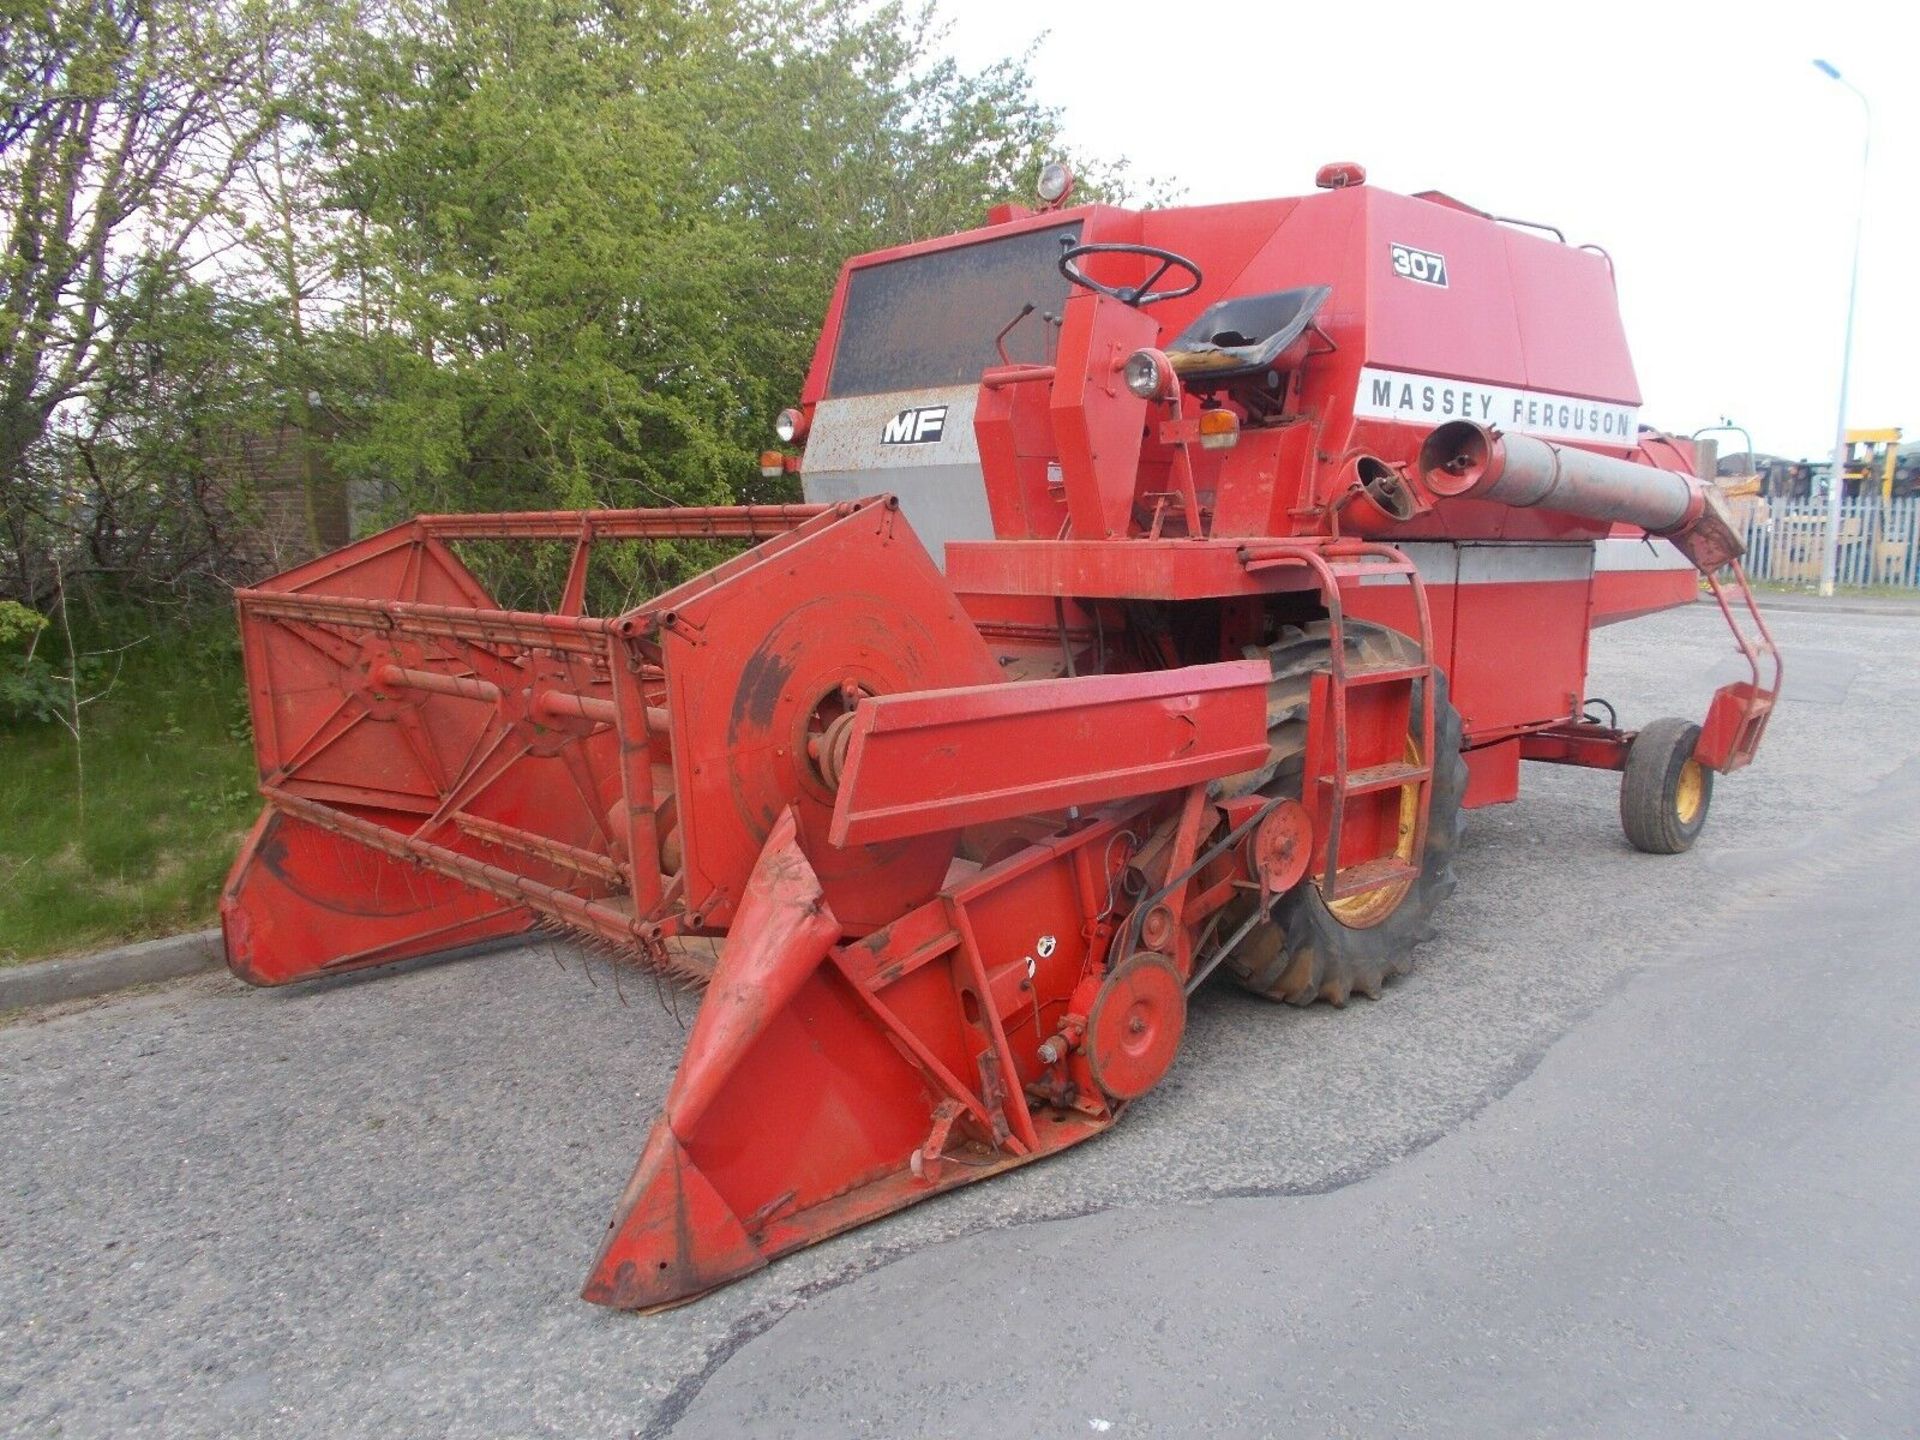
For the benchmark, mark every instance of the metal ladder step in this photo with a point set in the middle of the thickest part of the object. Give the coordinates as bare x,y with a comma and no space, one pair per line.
1378,777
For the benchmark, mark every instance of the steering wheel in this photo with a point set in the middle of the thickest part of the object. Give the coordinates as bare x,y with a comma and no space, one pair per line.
1142,294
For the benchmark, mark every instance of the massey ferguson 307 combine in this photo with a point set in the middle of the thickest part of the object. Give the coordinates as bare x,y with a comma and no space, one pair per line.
1169,584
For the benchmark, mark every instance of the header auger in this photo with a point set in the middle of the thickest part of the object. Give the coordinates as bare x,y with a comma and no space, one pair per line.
1266,540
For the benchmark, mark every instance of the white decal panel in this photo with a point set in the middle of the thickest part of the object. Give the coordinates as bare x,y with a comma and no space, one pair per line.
1505,562
916,425
1433,400
1618,552
905,429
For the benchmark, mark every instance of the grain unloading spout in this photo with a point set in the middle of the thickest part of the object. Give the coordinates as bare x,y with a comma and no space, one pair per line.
1464,459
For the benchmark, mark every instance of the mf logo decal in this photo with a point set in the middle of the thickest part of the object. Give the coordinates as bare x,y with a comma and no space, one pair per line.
1422,265
922,425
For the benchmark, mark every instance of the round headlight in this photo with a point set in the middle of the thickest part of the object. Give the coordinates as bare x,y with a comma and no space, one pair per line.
789,426
1055,181
1146,373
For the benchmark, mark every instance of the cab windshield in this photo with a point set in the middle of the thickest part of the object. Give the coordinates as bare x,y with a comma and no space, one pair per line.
930,320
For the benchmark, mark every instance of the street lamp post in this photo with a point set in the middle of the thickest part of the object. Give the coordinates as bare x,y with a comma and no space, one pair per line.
1837,482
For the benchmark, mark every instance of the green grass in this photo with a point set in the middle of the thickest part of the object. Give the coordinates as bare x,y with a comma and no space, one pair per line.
169,795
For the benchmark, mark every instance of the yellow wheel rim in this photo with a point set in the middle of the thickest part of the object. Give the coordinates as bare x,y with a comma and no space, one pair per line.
1690,794
1370,907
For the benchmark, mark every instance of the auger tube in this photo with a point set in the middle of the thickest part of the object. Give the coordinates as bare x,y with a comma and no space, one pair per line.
1464,459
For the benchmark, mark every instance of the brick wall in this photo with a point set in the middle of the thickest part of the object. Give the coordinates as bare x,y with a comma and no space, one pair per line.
273,465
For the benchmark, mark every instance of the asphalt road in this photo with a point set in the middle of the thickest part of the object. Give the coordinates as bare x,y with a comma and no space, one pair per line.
1632,1152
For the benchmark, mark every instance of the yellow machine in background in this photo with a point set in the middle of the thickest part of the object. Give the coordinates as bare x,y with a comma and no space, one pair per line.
1881,452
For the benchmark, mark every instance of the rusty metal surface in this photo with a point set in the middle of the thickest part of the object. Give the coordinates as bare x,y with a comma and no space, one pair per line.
1737,718
1588,746
850,1066
1135,1026
683,522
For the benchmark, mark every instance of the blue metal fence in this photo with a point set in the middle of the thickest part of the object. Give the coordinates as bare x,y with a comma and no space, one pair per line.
1879,541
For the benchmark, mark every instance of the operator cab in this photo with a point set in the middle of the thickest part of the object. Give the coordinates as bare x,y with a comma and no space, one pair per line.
898,387
917,327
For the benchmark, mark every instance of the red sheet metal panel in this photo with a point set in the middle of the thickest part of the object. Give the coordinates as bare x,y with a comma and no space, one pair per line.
948,759
1139,569
760,654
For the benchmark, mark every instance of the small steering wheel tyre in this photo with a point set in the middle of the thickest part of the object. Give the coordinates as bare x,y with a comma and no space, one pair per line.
1135,295
1665,792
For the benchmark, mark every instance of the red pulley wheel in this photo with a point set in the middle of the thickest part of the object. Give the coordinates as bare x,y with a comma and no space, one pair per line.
1281,847
1134,1028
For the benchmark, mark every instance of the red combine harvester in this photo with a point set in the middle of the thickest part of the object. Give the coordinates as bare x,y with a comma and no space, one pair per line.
1170,583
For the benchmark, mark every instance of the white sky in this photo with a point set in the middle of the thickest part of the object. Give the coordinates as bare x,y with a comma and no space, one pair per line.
1697,144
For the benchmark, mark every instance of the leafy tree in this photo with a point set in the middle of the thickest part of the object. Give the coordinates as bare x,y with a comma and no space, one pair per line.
29,688
529,252
122,124
596,239
149,491
289,239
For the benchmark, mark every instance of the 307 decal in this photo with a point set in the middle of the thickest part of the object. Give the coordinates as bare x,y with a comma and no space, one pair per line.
1422,265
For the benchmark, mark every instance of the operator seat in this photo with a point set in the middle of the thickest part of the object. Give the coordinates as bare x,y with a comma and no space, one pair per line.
1247,335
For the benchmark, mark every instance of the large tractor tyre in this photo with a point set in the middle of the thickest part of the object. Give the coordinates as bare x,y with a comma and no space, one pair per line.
1313,950
1665,792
